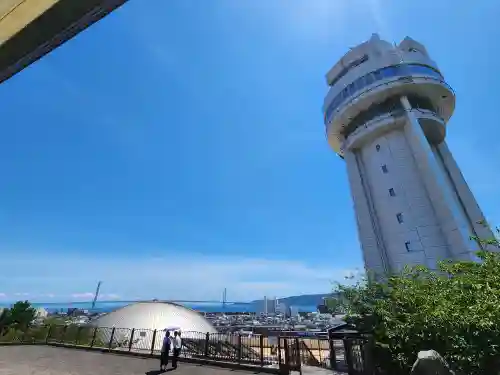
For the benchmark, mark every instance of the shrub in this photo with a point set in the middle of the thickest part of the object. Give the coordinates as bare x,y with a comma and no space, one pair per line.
455,311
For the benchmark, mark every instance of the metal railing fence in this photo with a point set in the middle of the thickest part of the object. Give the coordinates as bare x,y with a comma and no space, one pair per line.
349,353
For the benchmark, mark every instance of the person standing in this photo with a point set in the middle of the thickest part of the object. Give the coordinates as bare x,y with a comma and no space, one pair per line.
177,344
165,349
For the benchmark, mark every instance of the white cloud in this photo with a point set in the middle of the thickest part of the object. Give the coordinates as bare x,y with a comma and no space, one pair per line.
23,294
178,275
3,295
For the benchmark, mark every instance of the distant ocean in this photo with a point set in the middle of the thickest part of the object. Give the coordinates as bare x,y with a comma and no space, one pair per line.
107,306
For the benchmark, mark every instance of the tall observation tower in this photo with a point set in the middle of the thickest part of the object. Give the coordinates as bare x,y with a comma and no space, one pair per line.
386,113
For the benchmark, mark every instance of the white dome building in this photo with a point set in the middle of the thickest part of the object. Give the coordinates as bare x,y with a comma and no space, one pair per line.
41,313
146,317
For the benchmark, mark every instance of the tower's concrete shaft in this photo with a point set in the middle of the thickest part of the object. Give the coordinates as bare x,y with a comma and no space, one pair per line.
386,113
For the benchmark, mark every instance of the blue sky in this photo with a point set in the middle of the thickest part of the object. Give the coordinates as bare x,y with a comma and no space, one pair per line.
177,148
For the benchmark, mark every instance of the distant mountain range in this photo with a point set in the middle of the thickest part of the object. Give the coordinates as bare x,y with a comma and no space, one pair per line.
303,300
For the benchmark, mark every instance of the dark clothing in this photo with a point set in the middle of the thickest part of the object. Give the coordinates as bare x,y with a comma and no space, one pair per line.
175,357
164,358
166,344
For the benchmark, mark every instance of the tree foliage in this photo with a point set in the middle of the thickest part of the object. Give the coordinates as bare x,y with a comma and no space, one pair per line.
19,316
334,305
16,324
455,311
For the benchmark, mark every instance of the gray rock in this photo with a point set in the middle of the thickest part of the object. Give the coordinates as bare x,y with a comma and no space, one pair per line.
429,362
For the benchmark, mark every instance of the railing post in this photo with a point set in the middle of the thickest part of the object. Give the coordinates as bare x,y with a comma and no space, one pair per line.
47,336
93,337
279,350
348,355
239,348
297,358
367,355
333,356
153,343
207,343
78,332
287,353
261,344
23,335
131,340
111,338
63,336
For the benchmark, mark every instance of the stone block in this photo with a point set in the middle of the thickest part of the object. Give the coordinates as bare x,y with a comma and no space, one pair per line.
429,362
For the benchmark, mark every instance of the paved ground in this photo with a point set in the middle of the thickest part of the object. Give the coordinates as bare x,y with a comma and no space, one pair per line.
46,360
309,370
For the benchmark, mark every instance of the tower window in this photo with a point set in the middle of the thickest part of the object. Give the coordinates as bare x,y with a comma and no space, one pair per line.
392,193
377,147
399,216
407,245
384,168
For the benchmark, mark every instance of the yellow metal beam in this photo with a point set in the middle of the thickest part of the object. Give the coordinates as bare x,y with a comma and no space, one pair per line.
15,15
29,29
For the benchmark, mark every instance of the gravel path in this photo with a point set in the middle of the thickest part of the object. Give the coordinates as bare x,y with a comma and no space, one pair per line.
46,360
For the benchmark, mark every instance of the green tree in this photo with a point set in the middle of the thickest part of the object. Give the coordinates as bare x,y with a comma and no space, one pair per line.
18,317
455,311
4,321
334,305
21,315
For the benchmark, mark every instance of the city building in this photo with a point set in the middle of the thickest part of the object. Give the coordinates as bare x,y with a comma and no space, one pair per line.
40,313
267,306
386,115
294,312
281,308
322,309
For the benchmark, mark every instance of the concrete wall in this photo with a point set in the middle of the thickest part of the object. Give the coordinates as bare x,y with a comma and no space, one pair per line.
449,214
398,173
369,234
420,226
424,185
464,197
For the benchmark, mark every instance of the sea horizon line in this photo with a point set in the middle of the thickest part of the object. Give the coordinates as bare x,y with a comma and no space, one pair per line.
125,301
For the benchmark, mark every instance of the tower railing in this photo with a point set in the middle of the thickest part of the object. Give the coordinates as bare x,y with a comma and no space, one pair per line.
395,73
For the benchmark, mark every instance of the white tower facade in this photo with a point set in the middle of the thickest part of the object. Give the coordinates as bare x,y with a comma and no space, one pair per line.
386,113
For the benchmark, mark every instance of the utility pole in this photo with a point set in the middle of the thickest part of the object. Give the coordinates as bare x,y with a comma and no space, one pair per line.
96,294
